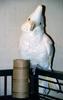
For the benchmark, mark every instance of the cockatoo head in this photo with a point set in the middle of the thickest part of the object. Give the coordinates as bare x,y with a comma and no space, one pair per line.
34,20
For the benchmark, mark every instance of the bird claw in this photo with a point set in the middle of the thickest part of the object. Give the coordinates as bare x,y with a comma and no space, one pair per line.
33,70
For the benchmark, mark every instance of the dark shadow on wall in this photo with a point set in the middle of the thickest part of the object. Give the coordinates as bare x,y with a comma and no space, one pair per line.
53,44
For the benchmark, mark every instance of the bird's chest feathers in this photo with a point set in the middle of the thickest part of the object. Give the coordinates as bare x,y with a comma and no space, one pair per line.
33,44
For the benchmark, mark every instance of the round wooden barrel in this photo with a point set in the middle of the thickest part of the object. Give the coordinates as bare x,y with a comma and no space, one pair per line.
20,78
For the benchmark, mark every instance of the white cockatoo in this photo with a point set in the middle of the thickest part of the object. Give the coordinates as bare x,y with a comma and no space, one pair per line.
35,45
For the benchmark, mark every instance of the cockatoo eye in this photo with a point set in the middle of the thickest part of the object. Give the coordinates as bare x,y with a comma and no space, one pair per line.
40,23
28,19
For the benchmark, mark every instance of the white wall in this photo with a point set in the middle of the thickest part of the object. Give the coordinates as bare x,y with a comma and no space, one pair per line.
13,13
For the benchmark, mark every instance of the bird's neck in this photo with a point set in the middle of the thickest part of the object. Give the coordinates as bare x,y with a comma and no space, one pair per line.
38,31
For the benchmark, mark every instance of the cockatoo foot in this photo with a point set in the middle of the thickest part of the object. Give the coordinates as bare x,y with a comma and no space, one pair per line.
38,66
33,67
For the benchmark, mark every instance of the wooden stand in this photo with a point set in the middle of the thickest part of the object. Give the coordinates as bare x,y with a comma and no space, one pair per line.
20,78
